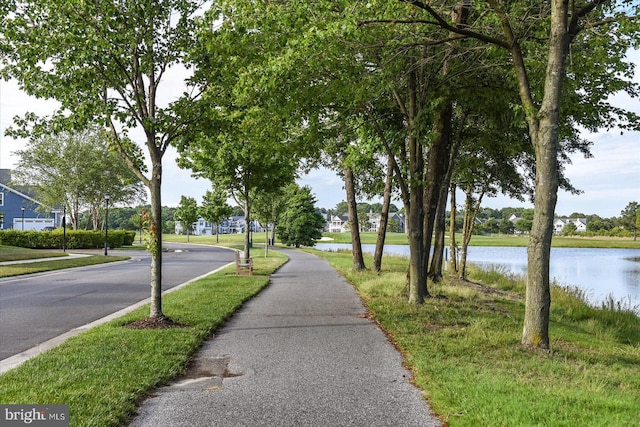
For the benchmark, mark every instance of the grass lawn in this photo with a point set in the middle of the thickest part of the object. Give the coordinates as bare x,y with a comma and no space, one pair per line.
103,373
463,348
41,266
401,239
499,240
12,253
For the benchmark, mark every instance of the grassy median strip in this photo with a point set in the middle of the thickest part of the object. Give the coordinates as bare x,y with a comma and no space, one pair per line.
58,264
12,253
463,347
104,372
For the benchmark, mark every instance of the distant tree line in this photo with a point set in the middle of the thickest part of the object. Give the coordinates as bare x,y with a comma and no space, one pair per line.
496,221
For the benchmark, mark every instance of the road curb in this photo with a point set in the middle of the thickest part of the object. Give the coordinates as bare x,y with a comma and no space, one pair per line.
17,359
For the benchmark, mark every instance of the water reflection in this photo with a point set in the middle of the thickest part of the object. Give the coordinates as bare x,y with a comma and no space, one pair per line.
599,272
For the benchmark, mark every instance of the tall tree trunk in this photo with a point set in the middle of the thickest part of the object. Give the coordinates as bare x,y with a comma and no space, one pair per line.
418,290
75,214
384,218
543,129
417,282
470,212
155,236
435,269
438,159
356,244
247,228
453,258
538,295
439,232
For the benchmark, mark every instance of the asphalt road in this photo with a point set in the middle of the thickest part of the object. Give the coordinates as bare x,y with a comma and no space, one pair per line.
36,308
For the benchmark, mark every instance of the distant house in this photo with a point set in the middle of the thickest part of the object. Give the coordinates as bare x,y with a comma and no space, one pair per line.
560,223
373,221
401,221
340,223
18,208
515,218
231,225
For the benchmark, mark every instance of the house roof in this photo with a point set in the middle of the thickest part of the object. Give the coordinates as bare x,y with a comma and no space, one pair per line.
13,190
21,190
5,176
567,220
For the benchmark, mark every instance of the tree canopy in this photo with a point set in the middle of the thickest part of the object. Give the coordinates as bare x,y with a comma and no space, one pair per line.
215,207
300,224
187,213
105,62
77,170
630,218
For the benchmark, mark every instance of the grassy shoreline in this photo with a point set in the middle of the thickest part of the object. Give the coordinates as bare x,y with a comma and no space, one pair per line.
401,239
501,240
463,347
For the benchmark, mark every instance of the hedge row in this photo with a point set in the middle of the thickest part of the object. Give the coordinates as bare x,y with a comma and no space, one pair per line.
75,239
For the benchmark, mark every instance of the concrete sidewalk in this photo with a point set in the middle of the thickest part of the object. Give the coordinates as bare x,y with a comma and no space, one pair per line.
302,353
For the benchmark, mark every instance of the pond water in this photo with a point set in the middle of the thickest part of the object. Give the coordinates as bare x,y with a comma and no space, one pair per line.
599,272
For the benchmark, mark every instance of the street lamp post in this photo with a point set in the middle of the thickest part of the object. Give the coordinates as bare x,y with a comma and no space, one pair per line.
64,228
140,227
22,209
106,224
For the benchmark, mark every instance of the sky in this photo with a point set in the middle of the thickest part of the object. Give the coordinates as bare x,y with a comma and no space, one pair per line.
609,180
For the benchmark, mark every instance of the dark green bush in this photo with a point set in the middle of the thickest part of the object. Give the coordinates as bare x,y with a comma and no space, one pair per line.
129,237
75,239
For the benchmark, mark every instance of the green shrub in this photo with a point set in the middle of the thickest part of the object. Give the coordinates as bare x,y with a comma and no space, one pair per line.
129,237
75,239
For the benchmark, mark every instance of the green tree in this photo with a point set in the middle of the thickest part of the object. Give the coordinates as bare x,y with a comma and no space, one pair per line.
569,229
168,225
490,150
490,226
77,170
506,226
268,208
597,224
341,208
187,213
127,218
215,207
238,141
393,226
604,29
105,61
300,225
629,218
524,225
